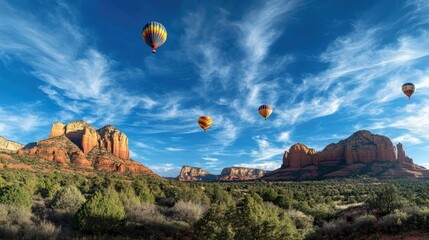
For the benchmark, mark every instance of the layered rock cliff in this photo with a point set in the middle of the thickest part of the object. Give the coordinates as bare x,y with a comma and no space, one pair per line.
9,146
78,145
86,137
228,174
114,141
240,174
188,173
361,153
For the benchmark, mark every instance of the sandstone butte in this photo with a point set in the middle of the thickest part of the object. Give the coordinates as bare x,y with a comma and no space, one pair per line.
361,153
78,144
189,174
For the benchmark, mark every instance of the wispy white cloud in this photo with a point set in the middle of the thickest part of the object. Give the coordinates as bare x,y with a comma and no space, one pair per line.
416,122
266,150
173,149
76,76
210,159
17,124
284,136
407,138
228,131
210,162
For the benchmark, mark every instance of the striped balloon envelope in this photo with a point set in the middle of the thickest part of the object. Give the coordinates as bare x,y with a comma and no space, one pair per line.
205,122
408,89
154,34
265,111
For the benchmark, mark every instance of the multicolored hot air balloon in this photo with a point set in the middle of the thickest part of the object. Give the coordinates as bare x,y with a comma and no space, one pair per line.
408,89
205,122
154,34
265,111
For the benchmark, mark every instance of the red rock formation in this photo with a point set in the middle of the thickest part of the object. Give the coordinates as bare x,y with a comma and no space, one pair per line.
240,174
401,155
82,134
188,173
5,156
86,137
346,158
299,156
78,145
56,149
57,129
114,141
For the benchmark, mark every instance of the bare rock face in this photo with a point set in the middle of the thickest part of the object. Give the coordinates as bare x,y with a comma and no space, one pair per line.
240,174
57,129
299,156
86,137
365,147
82,134
9,146
78,145
346,158
189,173
114,141
79,132
401,155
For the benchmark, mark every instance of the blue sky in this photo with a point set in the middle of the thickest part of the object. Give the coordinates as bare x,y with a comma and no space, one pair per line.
328,69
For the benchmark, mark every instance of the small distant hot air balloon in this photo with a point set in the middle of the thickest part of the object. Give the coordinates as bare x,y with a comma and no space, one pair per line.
154,34
265,111
205,122
408,89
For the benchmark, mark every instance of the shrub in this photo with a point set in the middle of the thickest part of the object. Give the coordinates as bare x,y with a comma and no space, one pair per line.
188,211
385,200
394,222
365,224
104,212
303,222
214,225
16,195
418,218
129,199
335,229
145,213
69,199
49,189
16,223
43,230
12,220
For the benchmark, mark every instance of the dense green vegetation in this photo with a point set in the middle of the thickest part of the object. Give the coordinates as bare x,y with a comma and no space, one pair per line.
56,205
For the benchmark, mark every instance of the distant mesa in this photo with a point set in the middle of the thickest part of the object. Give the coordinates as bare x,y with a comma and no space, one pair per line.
78,145
361,153
189,174
9,146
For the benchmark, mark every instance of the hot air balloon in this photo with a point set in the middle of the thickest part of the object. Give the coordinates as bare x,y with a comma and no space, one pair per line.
265,111
154,34
408,89
205,122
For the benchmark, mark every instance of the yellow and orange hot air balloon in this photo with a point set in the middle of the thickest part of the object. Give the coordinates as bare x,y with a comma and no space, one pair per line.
408,89
154,34
265,111
205,122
